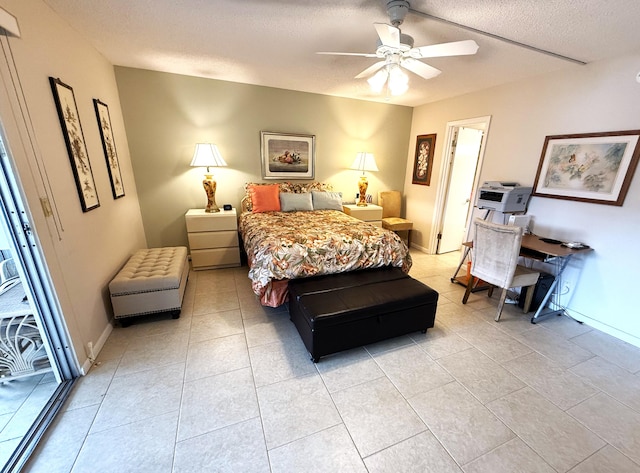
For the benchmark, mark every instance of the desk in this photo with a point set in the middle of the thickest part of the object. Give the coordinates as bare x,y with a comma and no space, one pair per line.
534,248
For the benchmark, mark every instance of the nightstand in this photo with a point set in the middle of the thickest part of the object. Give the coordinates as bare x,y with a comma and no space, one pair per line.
213,238
371,213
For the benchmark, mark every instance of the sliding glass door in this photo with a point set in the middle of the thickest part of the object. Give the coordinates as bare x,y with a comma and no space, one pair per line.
37,368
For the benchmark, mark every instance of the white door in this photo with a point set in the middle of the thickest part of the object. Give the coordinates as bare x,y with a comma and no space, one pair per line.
463,165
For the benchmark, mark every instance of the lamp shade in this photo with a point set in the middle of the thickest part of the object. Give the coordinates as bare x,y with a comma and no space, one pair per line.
207,155
364,162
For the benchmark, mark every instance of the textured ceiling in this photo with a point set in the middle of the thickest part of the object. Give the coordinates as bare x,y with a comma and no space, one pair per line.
273,42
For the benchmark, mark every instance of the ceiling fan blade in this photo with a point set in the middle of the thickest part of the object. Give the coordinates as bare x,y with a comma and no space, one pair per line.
371,69
456,48
423,70
389,35
349,54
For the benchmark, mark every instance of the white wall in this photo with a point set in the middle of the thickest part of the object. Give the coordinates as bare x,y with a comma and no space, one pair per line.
90,247
602,96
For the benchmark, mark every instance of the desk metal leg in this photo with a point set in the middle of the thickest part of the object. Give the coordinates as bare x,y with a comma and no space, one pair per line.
558,276
543,304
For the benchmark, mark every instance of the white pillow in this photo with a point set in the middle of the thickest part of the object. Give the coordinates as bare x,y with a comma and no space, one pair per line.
327,200
290,202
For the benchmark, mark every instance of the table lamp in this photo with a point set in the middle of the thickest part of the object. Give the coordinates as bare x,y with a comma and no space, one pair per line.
207,155
364,162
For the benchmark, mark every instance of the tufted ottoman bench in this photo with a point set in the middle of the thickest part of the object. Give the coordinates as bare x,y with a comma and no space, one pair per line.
152,281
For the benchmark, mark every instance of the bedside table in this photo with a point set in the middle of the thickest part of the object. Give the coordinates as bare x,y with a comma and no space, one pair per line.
371,213
213,238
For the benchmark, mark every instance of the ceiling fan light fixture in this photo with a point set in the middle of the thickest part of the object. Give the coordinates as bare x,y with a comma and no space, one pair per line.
398,89
397,75
398,81
395,79
377,81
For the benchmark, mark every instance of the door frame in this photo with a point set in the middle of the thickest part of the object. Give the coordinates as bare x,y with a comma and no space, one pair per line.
443,184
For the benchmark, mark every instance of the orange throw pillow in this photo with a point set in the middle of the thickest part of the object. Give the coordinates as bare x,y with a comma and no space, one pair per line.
265,198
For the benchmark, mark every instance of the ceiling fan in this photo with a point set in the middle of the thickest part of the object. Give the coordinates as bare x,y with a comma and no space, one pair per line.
397,53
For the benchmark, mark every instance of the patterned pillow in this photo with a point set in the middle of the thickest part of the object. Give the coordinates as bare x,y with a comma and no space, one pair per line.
302,187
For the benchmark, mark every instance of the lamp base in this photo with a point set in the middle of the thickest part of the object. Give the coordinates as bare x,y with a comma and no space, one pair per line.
362,187
210,188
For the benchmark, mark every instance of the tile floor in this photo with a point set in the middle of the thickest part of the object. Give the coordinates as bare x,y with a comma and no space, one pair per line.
229,387
21,401
22,397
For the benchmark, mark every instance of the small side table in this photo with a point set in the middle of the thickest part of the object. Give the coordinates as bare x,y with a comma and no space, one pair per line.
371,213
213,238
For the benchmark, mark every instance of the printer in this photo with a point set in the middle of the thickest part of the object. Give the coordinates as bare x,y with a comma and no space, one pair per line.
505,197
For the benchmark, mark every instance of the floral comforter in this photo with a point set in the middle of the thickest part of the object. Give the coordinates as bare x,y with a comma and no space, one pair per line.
287,245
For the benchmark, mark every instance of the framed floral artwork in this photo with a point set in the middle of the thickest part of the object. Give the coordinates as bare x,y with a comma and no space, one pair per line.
109,148
588,167
76,146
425,145
287,155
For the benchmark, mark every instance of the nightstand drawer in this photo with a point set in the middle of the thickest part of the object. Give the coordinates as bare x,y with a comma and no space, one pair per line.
212,222
215,257
203,240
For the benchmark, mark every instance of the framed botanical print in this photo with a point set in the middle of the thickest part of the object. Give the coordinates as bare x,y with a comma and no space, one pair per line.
76,146
109,148
423,162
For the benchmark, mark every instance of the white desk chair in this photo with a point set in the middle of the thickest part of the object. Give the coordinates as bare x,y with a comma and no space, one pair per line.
495,261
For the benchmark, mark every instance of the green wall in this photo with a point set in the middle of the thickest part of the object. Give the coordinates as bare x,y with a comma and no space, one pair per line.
165,115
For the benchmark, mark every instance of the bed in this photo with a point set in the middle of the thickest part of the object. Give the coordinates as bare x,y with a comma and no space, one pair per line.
299,230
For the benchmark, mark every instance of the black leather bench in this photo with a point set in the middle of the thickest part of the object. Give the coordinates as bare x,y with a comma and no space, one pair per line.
342,311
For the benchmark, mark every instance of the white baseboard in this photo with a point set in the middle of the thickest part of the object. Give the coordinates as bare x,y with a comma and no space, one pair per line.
97,346
625,337
419,248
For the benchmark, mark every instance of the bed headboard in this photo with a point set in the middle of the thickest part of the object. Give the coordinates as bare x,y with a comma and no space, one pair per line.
295,187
